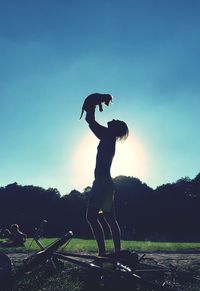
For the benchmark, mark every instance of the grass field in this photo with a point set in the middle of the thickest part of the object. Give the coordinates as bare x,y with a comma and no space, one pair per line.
80,245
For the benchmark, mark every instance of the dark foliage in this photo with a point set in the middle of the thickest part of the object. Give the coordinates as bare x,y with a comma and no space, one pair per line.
170,212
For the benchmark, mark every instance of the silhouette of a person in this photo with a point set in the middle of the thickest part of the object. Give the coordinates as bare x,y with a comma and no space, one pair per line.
102,193
15,237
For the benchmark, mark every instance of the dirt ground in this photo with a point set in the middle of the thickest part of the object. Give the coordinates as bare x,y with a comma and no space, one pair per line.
181,261
176,259
163,258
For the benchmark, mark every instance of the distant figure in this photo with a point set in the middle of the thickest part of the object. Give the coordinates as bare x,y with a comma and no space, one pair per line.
15,237
102,192
6,233
96,99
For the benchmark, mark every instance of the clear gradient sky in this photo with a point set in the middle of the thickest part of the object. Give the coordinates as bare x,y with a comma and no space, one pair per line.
53,53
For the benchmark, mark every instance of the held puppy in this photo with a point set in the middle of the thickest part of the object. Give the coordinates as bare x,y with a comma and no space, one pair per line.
96,99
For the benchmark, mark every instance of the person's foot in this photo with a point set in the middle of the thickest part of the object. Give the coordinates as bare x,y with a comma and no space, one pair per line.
124,255
101,254
109,255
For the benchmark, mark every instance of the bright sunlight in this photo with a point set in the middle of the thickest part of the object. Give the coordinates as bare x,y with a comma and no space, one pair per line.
130,160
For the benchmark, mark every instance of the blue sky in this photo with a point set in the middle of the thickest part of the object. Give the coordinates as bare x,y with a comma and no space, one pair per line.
54,53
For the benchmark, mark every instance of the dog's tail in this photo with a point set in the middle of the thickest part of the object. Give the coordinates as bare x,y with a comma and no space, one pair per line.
81,113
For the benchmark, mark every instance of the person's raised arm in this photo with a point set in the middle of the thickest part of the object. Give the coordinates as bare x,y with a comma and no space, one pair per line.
90,115
96,128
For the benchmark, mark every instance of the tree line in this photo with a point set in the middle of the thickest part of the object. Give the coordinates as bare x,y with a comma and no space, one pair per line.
168,213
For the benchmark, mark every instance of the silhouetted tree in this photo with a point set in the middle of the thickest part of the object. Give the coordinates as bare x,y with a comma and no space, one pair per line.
170,212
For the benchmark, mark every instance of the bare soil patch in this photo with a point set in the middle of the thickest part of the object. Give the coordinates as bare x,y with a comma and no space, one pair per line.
181,261
177,259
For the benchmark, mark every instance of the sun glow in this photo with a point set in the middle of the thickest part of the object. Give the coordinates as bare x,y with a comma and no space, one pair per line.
130,160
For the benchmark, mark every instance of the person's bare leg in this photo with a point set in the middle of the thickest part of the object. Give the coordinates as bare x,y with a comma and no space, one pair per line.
96,227
114,229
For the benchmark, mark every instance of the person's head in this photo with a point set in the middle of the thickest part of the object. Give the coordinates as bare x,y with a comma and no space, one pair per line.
119,129
14,227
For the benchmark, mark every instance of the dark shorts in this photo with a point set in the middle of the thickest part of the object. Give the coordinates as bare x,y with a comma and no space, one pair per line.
102,194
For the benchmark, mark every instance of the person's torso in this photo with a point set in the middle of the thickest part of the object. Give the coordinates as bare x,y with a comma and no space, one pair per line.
105,154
